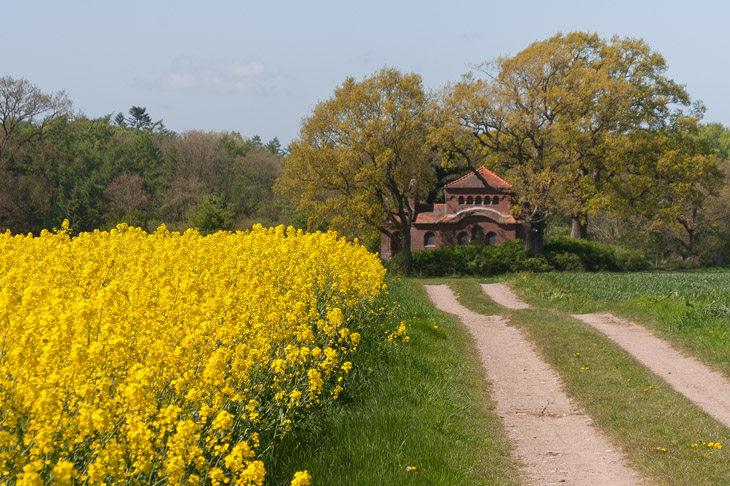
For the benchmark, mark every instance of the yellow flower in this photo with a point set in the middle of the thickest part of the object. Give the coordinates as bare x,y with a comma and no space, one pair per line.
301,478
124,347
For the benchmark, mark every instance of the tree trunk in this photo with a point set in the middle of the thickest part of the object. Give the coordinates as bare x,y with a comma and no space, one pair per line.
690,241
579,227
534,235
406,247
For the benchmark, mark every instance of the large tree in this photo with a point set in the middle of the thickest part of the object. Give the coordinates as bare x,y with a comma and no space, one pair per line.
361,157
548,118
671,175
26,115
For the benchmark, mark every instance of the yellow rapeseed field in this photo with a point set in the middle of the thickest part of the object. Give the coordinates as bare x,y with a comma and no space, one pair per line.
166,358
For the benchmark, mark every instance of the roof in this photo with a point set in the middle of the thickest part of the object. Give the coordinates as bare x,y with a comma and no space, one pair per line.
477,178
430,213
438,216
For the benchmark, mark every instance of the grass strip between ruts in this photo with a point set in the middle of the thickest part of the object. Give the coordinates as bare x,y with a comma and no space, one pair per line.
655,426
689,309
418,414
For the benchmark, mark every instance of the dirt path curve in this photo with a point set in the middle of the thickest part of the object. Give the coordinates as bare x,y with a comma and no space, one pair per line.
503,295
708,389
705,387
557,444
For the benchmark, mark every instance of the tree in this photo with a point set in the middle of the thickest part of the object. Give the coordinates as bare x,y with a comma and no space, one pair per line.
27,115
548,118
120,120
672,175
718,137
212,215
361,157
204,156
252,181
274,146
139,118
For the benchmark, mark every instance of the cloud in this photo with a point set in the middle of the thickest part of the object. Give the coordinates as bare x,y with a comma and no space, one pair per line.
196,74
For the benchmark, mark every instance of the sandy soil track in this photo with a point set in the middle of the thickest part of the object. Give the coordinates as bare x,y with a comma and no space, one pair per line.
504,296
705,387
556,443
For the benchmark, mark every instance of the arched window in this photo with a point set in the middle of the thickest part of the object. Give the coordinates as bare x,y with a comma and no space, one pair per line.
429,239
462,239
461,200
487,200
470,200
477,234
495,200
491,238
478,201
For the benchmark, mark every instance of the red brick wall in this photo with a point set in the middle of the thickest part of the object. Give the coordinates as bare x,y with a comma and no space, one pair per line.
447,236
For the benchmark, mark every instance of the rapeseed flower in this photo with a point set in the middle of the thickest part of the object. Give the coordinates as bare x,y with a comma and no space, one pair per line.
133,358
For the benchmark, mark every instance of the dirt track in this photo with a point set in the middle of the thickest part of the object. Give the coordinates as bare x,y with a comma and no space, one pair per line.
556,443
705,387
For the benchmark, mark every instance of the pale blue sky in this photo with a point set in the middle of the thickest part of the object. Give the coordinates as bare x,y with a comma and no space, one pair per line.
260,67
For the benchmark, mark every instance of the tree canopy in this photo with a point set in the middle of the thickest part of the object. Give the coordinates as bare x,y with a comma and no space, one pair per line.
361,157
553,118
585,129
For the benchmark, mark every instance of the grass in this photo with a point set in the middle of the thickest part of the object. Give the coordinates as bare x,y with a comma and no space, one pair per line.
653,424
421,404
690,309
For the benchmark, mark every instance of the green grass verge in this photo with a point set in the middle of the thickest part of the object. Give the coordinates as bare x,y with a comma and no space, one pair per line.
420,404
652,423
690,309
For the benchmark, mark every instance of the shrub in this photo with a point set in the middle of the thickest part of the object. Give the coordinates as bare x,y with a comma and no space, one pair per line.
631,260
566,261
471,260
561,253
535,264
594,256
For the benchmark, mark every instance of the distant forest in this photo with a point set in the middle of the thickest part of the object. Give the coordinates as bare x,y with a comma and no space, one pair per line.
126,167
96,173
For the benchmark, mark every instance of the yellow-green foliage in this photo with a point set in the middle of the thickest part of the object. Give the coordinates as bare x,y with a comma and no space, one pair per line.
165,358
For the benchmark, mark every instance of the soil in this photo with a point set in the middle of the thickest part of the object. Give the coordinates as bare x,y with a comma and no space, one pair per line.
706,388
504,296
555,441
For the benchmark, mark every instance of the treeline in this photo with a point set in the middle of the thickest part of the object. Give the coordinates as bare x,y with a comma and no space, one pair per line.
678,230
594,138
96,173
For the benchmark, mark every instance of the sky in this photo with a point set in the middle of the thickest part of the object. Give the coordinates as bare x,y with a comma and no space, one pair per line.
259,68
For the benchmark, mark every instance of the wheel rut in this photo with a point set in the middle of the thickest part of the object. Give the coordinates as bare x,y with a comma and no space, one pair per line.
555,441
703,386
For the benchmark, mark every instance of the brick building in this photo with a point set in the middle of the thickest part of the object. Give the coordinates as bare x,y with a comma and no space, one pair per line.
477,207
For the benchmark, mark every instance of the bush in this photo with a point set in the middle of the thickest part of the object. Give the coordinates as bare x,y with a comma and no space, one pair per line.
566,261
536,264
561,253
631,260
212,215
474,260
593,256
